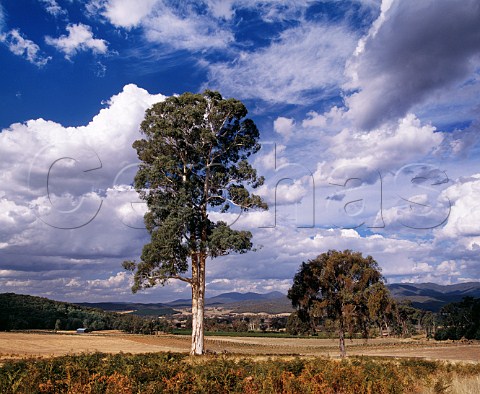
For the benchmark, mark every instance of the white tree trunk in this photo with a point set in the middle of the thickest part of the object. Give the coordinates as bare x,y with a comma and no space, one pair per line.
198,308
197,327
194,316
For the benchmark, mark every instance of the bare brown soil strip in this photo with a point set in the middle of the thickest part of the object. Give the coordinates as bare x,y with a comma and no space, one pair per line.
17,345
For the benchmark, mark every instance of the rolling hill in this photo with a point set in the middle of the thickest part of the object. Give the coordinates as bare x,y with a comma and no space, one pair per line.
156,309
428,296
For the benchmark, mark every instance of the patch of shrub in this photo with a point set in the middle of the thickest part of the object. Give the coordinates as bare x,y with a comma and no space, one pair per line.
178,373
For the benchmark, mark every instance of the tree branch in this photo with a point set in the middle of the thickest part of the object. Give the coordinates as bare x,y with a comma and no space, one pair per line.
187,280
183,279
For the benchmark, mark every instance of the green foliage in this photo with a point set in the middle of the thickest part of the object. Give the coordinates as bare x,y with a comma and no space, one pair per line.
24,312
29,312
193,158
177,373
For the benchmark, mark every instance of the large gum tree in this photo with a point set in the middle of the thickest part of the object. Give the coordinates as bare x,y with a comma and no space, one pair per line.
193,159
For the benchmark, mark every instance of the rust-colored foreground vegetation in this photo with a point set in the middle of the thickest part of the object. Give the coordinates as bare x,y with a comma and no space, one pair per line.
179,373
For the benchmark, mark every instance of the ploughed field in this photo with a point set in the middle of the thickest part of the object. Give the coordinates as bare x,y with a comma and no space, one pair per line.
15,345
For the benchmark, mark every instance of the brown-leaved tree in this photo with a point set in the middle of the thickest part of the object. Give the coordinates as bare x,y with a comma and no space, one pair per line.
343,286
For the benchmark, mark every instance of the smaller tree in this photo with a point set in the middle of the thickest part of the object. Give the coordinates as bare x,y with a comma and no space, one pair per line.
407,318
58,325
297,326
343,286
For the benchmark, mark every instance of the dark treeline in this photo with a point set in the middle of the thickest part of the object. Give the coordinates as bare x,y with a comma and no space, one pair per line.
24,312
457,320
460,320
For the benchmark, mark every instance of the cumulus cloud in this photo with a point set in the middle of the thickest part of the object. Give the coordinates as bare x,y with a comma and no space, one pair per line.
67,209
21,46
316,57
270,157
286,191
382,149
72,235
120,279
332,121
413,50
128,13
79,39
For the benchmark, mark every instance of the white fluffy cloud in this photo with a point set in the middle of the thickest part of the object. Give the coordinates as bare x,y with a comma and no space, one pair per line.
221,8
412,51
127,13
304,60
387,147
382,149
21,46
79,39
64,211
463,226
284,126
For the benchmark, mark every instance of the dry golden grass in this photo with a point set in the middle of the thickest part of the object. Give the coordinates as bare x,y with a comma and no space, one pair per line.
45,345
465,385
457,384
49,344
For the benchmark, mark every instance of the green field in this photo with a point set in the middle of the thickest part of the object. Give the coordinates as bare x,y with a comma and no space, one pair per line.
260,334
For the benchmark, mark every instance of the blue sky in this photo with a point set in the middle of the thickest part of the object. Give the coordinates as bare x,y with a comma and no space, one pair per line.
368,112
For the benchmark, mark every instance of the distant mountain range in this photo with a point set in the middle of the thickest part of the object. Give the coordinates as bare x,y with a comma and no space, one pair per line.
229,298
428,296
273,302
431,296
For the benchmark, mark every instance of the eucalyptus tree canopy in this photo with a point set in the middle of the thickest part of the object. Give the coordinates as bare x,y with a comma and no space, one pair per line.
193,160
343,286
